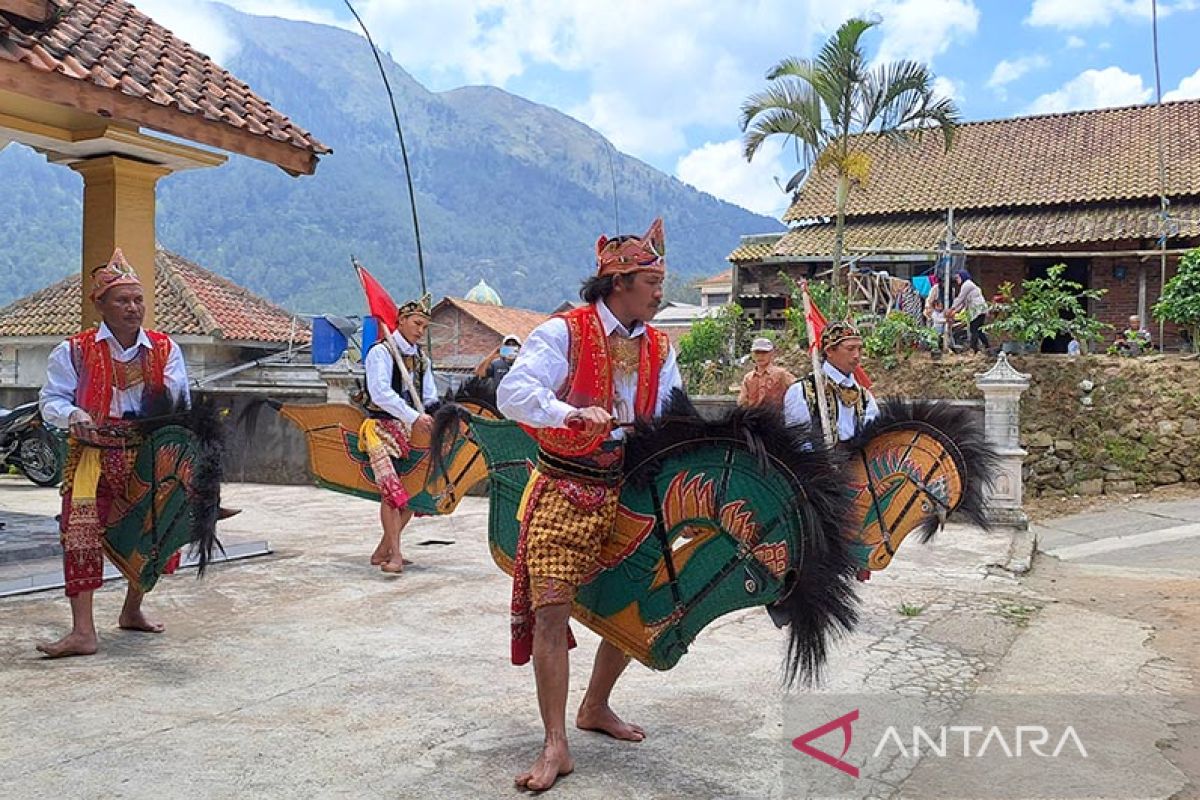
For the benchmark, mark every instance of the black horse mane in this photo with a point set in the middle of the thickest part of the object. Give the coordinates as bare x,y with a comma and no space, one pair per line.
954,426
819,603
449,414
203,419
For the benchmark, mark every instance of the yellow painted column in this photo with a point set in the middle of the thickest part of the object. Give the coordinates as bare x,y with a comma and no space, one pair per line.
118,211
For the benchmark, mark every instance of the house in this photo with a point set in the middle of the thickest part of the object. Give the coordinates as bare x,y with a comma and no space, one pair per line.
717,290
675,318
1015,196
83,81
217,324
463,333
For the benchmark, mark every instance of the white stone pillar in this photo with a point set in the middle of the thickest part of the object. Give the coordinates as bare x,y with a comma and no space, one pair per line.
1002,387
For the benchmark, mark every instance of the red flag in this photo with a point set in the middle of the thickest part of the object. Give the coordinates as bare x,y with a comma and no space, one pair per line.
814,320
379,302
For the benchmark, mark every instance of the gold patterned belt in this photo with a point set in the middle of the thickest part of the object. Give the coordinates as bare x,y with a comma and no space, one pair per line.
602,467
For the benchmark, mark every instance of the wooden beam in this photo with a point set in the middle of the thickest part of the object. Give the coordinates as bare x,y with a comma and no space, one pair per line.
111,104
34,10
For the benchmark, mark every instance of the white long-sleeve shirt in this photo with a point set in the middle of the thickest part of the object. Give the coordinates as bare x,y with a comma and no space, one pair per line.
379,368
529,392
795,405
57,399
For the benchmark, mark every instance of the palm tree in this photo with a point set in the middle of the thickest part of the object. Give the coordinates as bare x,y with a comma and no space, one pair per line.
832,108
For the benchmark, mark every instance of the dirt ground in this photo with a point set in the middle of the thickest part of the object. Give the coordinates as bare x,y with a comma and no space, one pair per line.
1170,605
1041,509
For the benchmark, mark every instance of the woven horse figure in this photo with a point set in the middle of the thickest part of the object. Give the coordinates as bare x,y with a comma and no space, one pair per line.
721,515
338,463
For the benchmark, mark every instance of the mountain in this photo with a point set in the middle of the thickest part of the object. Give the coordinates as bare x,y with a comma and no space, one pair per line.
507,190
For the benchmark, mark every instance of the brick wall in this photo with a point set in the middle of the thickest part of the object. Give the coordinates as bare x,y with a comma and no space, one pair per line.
459,336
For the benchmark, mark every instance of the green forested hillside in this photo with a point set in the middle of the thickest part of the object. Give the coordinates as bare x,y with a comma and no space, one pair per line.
507,190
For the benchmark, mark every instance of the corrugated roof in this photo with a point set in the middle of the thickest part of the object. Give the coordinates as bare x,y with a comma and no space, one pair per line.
1079,157
995,229
502,319
188,300
112,45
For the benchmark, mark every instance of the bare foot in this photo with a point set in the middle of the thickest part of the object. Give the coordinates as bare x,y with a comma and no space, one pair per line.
73,644
394,567
554,762
137,621
381,555
602,720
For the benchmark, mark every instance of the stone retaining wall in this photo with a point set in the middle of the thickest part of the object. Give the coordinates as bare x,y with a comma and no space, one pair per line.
1091,424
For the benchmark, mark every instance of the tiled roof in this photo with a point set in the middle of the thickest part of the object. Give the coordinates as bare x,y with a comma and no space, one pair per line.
1080,157
754,248
996,229
502,319
720,279
188,300
111,45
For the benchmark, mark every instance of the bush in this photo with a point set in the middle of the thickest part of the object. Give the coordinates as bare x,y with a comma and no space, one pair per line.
1046,308
712,345
1180,302
896,336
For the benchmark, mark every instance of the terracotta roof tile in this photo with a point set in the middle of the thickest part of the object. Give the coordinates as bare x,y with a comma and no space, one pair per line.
996,229
720,279
118,47
189,300
754,247
502,319
1079,157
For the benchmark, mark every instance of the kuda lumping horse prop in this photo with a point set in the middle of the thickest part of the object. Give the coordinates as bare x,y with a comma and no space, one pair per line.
721,515
337,462
165,474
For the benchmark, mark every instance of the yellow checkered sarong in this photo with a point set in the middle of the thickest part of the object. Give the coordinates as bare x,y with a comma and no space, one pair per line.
566,524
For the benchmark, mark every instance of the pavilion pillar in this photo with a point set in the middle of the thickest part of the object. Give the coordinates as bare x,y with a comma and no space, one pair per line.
118,211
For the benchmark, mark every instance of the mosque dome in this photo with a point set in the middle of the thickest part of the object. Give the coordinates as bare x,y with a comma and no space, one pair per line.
482,293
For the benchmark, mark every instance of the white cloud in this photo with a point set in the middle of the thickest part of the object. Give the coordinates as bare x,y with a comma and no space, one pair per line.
1075,42
923,29
1094,88
1188,89
948,87
195,24
720,169
292,9
1071,14
1007,71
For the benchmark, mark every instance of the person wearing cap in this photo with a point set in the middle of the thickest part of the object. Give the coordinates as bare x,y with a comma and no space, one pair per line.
766,384
580,377
97,378
400,386
848,405
500,360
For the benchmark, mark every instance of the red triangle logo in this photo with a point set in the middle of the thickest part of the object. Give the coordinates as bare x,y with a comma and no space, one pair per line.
801,743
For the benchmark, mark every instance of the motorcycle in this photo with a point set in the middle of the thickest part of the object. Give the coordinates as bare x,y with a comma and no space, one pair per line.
28,444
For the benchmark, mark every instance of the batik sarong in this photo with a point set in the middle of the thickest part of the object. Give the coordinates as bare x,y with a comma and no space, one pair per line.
385,440
93,480
567,513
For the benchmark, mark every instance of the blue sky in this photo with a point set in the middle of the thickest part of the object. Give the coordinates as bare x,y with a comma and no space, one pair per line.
663,79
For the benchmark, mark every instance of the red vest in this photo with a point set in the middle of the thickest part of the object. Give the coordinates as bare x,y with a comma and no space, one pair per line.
590,379
97,370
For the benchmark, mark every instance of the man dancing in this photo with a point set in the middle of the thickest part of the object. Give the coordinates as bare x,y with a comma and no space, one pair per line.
579,377
95,379
400,386
848,406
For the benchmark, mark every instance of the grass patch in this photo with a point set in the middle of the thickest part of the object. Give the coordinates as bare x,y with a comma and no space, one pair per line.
1018,614
910,609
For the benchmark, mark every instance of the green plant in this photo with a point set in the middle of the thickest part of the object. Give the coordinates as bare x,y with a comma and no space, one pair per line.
1048,307
896,336
717,341
833,108
1019,614
1180,301
910,609
831,302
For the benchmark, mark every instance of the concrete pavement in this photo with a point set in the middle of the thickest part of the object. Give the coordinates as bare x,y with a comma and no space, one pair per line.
310,674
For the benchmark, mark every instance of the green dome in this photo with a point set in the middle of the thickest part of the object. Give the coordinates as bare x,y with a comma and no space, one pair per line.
482,293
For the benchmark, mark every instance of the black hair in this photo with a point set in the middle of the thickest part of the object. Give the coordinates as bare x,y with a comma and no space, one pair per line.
599,287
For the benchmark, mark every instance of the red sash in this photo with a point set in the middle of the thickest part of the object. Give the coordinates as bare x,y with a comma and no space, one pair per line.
590,379
96,369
